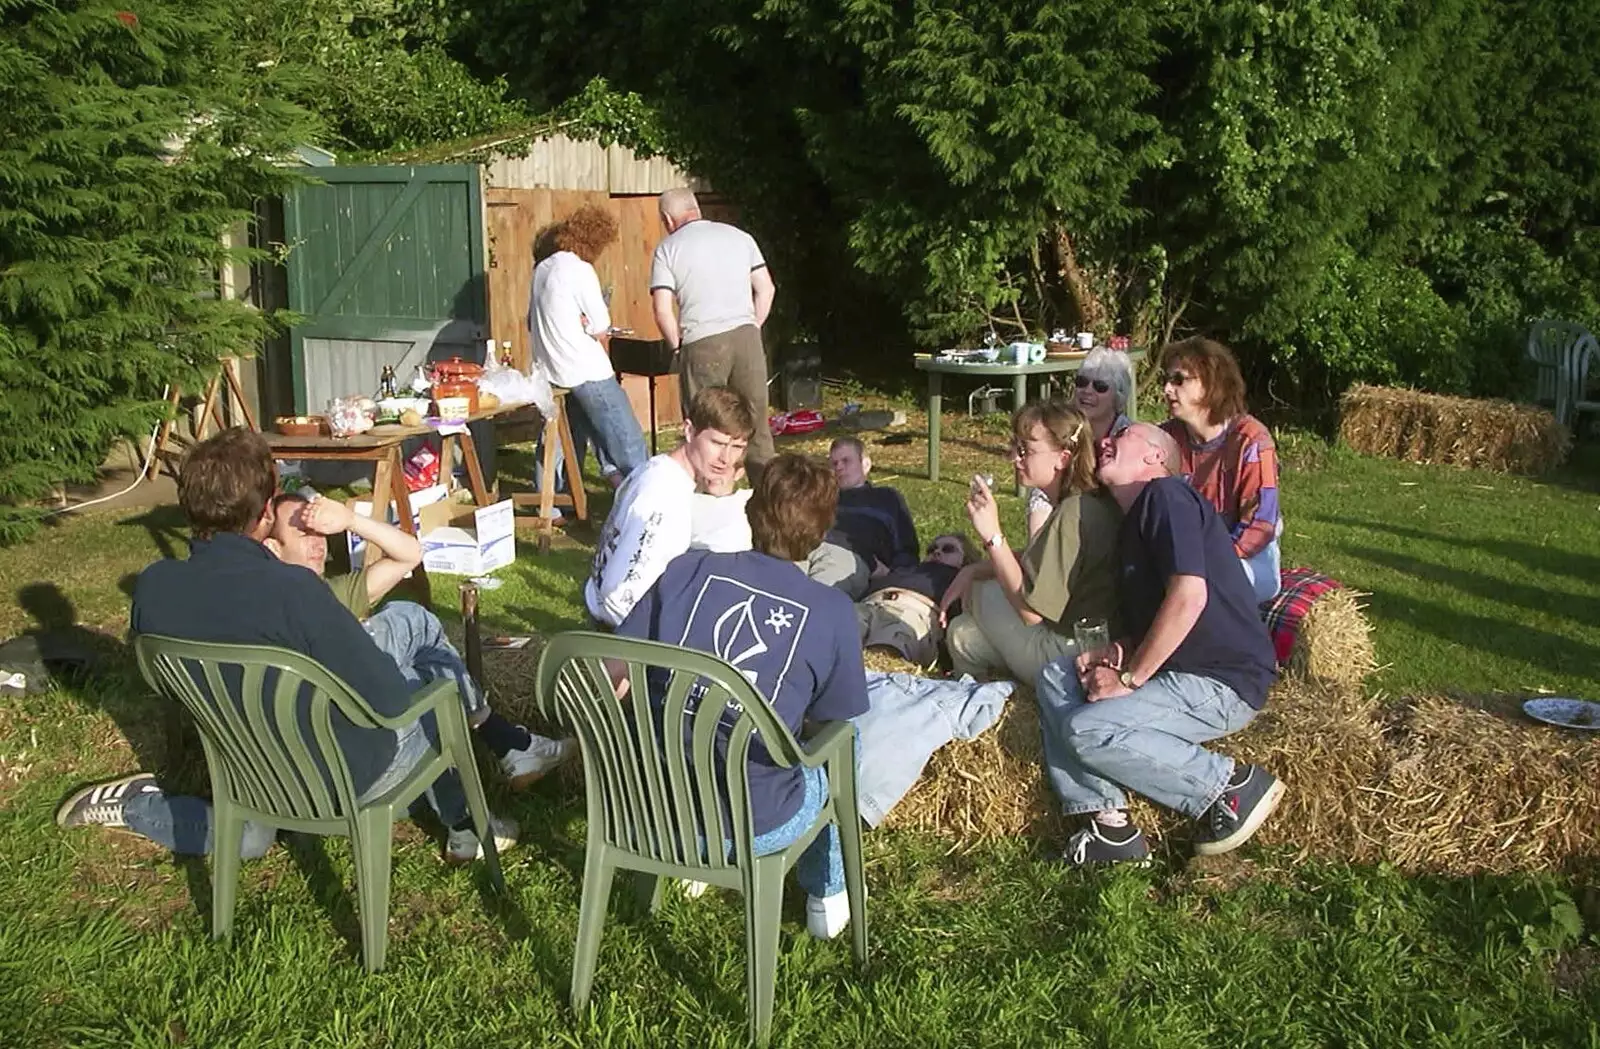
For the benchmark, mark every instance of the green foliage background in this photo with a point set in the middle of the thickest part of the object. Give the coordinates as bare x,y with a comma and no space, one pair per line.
1344,189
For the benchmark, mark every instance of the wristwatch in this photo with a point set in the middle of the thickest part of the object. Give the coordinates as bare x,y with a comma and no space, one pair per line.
1126,677
994,541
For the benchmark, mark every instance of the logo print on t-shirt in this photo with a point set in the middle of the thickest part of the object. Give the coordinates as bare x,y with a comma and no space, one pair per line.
755,631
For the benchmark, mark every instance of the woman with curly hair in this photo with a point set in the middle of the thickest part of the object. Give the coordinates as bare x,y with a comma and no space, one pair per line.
1019,609
1226,453
571,328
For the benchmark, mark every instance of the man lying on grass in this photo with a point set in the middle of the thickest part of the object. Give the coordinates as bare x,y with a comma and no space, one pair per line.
795,640
232,590
1196,667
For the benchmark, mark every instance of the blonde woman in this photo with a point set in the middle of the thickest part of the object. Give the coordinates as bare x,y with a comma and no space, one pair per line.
1018,610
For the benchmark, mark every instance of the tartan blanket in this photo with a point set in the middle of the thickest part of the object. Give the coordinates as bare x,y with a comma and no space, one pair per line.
1300,590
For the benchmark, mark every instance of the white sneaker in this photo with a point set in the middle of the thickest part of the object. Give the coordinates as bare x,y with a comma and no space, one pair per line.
462,846
527,766
827,916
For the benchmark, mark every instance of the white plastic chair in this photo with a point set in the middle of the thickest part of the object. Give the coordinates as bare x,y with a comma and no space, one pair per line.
1563,352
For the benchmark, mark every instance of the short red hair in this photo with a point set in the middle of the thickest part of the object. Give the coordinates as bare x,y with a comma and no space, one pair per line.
1218,371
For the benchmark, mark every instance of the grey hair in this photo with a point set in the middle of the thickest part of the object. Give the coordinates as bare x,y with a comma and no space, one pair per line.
1114,367
678,202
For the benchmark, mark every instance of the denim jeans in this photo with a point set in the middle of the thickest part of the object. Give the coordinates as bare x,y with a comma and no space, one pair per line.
820,869
1264,571
907,719
184,824
414,638
1145,742
609,422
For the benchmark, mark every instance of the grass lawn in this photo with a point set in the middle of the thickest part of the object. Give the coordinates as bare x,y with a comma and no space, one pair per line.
1479,582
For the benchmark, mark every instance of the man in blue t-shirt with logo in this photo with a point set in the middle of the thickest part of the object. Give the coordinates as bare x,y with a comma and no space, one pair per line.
796,641
1197,667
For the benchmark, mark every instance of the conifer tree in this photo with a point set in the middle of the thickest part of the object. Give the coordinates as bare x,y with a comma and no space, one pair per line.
134,136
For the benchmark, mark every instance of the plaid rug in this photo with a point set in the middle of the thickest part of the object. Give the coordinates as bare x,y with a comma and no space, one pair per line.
1301,588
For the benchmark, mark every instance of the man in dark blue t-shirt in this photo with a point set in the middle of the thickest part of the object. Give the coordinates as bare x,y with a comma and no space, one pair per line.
1196,667
795,640
233,590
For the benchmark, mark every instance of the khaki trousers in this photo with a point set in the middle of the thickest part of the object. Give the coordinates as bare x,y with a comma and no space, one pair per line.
903,620
990,639
735,359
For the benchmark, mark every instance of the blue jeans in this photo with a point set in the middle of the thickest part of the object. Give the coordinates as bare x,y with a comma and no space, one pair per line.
598,413
820,869
184,824
1264,571
414,638
1145,742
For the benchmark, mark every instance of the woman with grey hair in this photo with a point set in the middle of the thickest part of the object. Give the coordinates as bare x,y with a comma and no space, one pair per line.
1103,390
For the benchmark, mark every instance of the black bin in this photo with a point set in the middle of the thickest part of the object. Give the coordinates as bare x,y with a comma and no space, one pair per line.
800,378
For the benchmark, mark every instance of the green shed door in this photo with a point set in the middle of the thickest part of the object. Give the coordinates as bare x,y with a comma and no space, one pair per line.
386,265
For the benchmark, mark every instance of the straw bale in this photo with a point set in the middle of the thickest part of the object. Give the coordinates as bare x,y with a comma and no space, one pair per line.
1432,428
1429,784
1334,642
1480,787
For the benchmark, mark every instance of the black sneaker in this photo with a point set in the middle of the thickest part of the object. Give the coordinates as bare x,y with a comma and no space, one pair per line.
1095,845
101,803
1239,813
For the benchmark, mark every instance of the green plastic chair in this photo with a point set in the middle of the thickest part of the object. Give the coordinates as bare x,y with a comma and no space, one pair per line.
264,768
652,804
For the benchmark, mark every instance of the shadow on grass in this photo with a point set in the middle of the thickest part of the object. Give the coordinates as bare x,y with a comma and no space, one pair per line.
1537,558
1576,607
168,529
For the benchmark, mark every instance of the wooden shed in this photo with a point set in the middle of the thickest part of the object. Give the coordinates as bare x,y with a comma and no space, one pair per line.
523,194
402,263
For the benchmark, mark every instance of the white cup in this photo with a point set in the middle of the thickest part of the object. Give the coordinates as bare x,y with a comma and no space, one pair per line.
1086,340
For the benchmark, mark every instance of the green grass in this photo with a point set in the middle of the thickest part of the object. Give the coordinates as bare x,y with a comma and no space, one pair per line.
104,938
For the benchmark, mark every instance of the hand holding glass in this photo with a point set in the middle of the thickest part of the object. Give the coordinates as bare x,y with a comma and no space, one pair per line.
1094,640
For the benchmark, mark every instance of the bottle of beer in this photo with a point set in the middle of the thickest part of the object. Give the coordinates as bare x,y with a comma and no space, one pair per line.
387,386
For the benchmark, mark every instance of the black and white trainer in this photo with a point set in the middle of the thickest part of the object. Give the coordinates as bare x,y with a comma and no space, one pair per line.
101,804
1241,810
1096,845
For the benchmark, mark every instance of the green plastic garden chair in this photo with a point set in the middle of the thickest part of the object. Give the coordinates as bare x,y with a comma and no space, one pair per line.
658,790
265,767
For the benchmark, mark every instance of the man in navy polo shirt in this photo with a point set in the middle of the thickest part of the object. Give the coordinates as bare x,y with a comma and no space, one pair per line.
795,639
232,590
1196,667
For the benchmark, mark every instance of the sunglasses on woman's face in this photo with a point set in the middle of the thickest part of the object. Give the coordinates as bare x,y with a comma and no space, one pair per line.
944,548
1100,385
1175,378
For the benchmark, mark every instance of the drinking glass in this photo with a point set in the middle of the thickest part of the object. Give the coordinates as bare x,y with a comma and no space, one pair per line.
1093,635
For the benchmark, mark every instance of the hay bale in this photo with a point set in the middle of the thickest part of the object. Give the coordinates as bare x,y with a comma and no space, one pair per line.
1432,428
1480,788
1333,643
990,787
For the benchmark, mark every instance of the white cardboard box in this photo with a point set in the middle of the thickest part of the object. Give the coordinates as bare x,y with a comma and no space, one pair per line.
419,499
468,540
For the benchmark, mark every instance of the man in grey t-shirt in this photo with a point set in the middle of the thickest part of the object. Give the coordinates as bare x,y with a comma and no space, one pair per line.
723,291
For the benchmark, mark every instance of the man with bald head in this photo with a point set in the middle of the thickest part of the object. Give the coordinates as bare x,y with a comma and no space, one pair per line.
1195,667
722,288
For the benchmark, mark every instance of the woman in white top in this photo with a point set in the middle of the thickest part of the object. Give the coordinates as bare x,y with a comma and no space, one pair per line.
571,326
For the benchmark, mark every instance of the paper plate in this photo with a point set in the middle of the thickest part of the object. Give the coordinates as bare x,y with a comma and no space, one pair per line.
1564,711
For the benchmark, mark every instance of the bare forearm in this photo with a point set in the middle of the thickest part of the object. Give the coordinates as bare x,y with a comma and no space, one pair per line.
395,544
1180,610
661,307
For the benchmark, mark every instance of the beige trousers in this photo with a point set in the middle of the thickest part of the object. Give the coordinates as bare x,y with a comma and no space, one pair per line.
903,620
990,639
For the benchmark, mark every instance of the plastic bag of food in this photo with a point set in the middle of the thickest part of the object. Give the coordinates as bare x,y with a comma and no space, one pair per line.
347,416
513,387
422,468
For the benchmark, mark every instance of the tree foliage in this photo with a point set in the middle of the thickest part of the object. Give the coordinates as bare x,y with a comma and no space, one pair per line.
134,138
1344,188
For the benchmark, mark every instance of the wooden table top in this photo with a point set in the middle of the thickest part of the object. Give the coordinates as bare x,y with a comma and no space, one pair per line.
383,436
